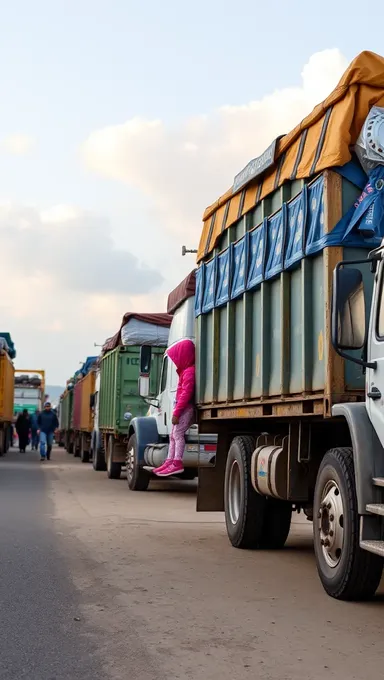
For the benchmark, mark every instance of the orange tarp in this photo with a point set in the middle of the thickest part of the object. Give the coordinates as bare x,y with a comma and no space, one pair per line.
322,140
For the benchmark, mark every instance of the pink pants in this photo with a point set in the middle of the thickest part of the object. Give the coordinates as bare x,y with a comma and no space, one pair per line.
176,440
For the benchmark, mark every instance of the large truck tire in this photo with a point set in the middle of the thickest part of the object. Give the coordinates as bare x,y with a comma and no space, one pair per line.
84,453
77,447
113,468
346,571
244,508
137,478
98,458
277,523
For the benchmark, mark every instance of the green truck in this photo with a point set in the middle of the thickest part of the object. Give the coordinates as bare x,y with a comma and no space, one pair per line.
289,374
66,419
116,400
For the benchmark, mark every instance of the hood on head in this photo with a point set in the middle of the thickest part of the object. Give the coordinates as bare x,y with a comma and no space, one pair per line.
182,354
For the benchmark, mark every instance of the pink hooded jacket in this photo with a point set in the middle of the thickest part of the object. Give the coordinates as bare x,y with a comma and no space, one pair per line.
183,356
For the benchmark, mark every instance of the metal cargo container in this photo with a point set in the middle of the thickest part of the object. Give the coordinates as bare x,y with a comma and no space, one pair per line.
267,351
83,415
119,390
67,419
7,373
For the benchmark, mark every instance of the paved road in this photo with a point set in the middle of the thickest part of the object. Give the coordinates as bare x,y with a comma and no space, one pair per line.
101,583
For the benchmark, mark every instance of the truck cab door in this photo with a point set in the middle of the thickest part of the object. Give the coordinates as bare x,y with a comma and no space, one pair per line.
375,376
162,411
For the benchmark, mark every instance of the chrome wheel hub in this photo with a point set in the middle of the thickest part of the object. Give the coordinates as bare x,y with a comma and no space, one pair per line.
331,524
130,462
234,492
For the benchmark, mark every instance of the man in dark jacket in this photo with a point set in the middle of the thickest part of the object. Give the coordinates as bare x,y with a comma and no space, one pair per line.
47,423
23,425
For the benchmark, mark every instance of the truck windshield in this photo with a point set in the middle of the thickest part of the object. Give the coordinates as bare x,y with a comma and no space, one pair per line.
164,371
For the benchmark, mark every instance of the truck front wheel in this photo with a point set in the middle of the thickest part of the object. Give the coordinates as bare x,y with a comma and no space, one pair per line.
277,523
84,451
98,456
346,571
113,468
244,508
137,478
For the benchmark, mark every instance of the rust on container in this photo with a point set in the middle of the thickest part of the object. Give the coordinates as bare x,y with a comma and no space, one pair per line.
82,412
7,384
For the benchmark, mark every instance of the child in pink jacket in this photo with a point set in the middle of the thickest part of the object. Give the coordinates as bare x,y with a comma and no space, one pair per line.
183,356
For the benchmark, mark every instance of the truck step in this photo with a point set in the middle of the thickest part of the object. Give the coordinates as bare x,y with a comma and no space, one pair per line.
376,547
378,481
375,508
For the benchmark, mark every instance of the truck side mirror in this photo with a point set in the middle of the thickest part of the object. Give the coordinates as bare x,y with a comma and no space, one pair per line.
92,400
144,386
145,359
348,327
349,308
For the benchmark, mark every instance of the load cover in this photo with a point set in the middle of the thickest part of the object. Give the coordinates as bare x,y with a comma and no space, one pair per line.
160,324
182,292
322,140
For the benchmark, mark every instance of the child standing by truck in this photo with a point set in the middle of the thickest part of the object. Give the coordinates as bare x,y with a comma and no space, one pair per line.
183,356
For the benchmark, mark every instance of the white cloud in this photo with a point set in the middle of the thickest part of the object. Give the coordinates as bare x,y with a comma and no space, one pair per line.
183,169
74,248
64,286
18,145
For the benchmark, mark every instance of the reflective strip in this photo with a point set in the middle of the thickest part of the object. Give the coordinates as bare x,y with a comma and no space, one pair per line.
241,205
259,190
320,143
300,152
226,211
278,171
207,248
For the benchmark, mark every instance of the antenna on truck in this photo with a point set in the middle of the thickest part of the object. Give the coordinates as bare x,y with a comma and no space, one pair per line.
185,250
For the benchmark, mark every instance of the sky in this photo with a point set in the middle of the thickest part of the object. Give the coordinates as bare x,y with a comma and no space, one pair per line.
120,122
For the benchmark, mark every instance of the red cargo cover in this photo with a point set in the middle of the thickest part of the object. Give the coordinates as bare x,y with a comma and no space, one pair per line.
182,292
155,319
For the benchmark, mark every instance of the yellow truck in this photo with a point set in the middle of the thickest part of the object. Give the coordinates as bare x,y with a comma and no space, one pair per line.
7,379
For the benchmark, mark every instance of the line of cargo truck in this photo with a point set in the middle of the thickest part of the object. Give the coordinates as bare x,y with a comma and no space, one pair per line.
117,409
286,308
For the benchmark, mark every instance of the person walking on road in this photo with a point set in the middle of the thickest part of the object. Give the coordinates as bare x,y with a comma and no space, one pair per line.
23,425
183,356
34,431
47,422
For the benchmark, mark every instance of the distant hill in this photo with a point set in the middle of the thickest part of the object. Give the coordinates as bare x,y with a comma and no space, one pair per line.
54,392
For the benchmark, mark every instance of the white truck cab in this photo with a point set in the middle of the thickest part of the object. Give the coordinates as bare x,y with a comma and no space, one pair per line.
149,436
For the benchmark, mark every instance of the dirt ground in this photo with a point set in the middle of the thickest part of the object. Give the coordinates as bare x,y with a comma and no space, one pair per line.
154,590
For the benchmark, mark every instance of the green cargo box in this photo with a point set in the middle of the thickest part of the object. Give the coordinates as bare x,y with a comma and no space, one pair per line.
119,387
268,352
66,411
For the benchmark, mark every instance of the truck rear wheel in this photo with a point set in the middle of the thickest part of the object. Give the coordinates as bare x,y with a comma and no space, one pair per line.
3,445
244,508
77,447
113,468
98,457
137,478
346,571
84,452
277,523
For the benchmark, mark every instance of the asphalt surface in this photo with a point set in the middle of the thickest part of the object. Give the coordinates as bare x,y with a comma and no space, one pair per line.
99,582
